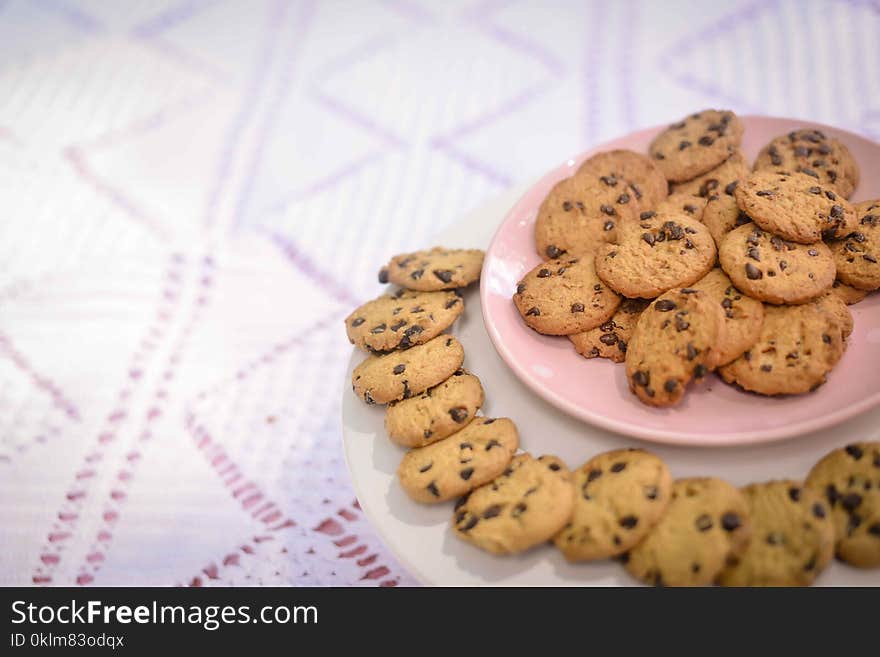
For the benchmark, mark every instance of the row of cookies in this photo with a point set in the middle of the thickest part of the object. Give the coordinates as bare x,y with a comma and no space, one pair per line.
416,370
625,505
608,261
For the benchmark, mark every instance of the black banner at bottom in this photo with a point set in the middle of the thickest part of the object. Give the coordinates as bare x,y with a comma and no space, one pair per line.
115,620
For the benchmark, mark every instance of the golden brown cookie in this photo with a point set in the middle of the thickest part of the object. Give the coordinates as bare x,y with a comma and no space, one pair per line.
720,180
794,206
610,339
436,413
632,176
578,215
564,296
792,537
619,497
813,153
402,374
402,319
435,269
457,464
857,255
849,478
771,269
797,348
697,144
743,316
660,252
676,341
706,523
523,507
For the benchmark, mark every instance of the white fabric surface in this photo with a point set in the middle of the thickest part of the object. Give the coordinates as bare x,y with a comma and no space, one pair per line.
193,194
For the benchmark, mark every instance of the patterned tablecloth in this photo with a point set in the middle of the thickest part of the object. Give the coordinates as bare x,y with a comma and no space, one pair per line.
193,195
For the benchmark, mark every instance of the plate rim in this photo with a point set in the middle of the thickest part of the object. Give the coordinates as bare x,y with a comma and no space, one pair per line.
663,436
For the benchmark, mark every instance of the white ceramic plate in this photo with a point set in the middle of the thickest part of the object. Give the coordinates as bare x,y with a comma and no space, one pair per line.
419,535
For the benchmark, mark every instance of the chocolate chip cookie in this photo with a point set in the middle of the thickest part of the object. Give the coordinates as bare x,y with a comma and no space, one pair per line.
697,144
610,339
402,319
619,497
676,341
720,180
849,479
794,206
774,270
436,413
812,153
743,316
797,348
402,374
457,464
857,255
524,506
722,215
848,294
792,537
435,269
689,206
564,296
658,253
579,215
706,523
633,177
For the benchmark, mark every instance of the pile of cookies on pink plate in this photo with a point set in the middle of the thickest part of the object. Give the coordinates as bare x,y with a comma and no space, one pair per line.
688,260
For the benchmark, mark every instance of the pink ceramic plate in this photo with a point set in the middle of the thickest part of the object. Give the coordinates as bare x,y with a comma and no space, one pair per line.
596,391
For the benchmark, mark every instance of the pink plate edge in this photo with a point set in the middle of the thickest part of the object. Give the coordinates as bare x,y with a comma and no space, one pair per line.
636,430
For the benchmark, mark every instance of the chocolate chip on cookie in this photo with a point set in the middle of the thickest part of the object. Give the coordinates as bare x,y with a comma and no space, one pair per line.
524,506
434,269
697,144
